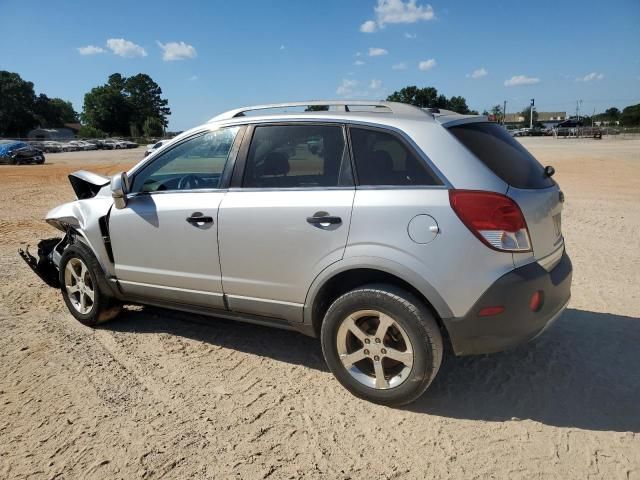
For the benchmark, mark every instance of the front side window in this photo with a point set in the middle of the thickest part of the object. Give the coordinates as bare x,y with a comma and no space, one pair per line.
297,156
195,164
383,159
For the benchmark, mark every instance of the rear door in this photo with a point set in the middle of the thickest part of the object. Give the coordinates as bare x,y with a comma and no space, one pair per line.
286,217
536,193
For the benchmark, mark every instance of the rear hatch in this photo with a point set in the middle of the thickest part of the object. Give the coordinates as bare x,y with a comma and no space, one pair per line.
537,195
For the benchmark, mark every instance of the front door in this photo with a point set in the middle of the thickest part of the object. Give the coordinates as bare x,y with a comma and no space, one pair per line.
164,241
288,218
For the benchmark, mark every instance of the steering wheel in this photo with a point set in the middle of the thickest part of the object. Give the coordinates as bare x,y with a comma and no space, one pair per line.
189,182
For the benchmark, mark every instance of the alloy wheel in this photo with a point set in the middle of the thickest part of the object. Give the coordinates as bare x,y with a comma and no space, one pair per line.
79,286
375,349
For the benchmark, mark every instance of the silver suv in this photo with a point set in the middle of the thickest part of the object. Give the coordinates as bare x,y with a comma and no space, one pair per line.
387,230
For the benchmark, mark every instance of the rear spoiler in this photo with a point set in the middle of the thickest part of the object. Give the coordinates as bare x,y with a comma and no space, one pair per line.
87,184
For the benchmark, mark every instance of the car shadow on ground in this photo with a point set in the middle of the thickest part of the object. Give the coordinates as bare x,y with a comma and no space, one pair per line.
282,345
584,372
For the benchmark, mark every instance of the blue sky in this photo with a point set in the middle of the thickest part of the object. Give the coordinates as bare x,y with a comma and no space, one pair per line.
210,56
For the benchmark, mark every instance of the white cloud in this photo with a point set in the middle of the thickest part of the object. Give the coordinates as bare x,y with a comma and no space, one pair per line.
478,73
193,77
397,11
375,84
427,64
125,48
346,87
358,63
282,47
410,35
377,52
590,76
518,80
172,51
90,50
368,27
399,66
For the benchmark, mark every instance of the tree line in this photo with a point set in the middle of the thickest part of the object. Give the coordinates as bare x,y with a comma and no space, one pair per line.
123,106
133,106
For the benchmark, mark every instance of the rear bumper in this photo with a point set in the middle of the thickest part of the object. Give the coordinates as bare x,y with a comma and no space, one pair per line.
517,324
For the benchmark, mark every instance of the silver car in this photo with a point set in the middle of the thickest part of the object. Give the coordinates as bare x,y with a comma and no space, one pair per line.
386,230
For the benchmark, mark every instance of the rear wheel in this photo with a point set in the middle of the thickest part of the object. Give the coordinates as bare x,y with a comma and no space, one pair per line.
382,344
84,287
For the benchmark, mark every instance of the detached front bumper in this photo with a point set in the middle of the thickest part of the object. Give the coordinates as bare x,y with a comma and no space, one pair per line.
473,334
43,266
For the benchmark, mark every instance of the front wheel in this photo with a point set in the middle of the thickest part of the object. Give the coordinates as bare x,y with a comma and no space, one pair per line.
83,287
382,344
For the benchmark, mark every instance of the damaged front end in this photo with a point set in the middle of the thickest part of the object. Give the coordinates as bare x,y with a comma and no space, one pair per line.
81,220
44,265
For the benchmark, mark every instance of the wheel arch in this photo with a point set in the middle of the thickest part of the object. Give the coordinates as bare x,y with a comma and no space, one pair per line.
354,272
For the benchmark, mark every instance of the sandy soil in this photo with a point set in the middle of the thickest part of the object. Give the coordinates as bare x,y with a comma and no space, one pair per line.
158,394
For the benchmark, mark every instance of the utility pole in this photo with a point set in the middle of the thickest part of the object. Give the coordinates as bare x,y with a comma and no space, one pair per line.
504,112
533,101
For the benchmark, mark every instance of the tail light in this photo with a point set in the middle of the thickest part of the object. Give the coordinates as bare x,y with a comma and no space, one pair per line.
493,218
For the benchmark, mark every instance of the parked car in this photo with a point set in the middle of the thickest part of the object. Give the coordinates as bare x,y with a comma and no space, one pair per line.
19,153
412,229
110,144
97,142
154,146
130,144
51,146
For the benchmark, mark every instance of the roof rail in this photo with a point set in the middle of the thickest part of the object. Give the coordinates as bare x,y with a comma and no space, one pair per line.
342,105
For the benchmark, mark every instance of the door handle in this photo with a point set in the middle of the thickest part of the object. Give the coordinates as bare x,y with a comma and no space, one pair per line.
326,219
194,219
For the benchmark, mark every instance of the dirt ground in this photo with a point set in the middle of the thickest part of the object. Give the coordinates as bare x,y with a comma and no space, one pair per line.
158,394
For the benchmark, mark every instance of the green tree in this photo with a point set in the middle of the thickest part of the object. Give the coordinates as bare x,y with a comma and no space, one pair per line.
90,132
145,98
17,102
53,112
420,97
612,113
630,116
107,109
122,105
428,97
526,112
152,127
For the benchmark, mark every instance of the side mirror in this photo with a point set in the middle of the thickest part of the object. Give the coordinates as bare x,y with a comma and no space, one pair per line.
119,190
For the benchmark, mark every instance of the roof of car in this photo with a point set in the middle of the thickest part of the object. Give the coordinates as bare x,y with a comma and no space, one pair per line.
343,109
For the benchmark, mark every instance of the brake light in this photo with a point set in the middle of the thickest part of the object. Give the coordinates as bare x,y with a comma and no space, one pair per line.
493,218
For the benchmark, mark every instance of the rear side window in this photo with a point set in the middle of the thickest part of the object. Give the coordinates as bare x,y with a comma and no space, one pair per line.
504,155
297,156
383,159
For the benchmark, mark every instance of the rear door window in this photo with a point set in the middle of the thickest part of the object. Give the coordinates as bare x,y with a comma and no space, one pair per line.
502,154
297,156
381,158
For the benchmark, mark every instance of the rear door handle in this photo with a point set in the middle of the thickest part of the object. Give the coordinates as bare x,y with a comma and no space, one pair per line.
194,219
327,219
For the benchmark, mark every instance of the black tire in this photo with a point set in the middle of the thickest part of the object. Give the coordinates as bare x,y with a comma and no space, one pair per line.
409,313
103,307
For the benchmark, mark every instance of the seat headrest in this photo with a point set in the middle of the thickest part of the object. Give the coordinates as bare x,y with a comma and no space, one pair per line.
275,163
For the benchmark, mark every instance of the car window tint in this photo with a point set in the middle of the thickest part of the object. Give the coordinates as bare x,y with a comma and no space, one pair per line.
383,159
194,164
504,155
296,156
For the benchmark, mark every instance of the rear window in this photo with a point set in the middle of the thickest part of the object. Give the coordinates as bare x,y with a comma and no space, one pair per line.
382,159
504,155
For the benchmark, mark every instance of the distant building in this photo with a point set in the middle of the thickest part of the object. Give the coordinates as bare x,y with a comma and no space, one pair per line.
51,134
546,118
